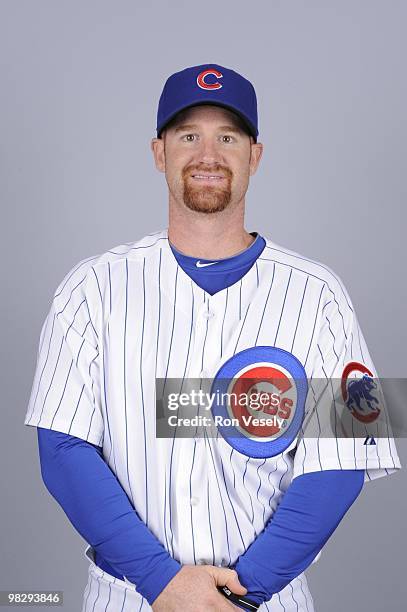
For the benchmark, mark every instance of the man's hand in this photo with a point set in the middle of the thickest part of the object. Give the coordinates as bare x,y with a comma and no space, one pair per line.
193,589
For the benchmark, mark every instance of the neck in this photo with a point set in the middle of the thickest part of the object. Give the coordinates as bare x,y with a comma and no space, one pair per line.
208,236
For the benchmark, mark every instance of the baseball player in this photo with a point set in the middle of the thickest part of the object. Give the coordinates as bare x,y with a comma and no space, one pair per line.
206,522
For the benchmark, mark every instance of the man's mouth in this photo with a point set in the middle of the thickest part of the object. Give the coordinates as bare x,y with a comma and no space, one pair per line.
207,177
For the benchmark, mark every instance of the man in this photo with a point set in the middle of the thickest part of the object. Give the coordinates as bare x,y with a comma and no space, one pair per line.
205,522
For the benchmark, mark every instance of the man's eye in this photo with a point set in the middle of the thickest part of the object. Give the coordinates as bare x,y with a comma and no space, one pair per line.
227,139
189,137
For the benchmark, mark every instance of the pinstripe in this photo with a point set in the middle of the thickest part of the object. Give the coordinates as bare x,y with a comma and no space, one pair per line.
190,505
299,313
90,318
124,600
74,317
292,595
76,409
259,487
250,498
333,335
333,399
284,474
173,324
223,322
110,594
51,381
142,392
43,368
159,311
231,505
231,466
282,308
210,526
241,328
94,400
97,595
98,284
200,386
124,376
166,502
314,327
265,305
279,599
302,591
223,505
272,485
111,445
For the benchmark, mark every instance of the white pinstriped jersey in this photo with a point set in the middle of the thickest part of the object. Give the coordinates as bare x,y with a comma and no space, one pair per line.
121,319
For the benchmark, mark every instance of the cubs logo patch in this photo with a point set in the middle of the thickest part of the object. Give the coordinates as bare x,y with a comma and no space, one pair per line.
358,389
260,400
203,81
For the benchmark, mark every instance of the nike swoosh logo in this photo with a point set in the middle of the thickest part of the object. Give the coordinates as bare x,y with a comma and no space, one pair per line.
199,264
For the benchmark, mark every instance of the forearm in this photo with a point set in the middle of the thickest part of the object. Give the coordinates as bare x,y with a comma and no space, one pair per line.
308,514
77,476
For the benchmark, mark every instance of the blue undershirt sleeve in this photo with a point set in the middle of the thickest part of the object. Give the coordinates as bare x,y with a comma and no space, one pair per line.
308,514
83,484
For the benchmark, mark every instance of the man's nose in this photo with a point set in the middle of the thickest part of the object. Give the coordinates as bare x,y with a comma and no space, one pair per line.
209,152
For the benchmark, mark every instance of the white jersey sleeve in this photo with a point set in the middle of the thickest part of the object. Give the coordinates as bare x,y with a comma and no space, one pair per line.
336,433
66,391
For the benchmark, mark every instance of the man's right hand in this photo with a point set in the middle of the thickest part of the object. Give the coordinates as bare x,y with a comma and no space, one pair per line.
193,589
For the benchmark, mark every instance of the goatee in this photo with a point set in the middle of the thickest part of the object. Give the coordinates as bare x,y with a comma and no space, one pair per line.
207,198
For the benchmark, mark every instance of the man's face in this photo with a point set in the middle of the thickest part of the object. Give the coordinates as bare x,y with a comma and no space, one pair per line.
207,158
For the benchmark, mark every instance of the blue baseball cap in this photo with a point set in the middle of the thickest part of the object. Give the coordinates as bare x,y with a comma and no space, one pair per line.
208,84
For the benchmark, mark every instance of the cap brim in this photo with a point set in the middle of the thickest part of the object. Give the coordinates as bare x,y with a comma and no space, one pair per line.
212,103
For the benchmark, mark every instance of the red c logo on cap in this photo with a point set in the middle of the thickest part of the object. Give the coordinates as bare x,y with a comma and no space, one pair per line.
201,79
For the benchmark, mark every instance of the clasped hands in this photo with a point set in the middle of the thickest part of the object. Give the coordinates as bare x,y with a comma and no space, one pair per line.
194,589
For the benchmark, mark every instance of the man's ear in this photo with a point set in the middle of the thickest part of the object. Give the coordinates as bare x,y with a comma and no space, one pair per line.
255,156
157,147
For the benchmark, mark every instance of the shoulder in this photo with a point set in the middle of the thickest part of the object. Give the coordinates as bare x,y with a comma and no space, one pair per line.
85,278
331,283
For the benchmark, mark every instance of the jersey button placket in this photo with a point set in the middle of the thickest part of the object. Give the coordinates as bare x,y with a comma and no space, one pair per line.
198,370
211,352
189,462
198,474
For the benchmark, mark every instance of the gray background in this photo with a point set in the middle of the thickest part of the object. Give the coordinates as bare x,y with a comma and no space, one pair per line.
80,83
